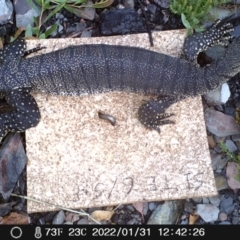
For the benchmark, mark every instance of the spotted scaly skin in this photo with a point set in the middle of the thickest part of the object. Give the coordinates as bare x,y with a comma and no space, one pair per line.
199,42
91,69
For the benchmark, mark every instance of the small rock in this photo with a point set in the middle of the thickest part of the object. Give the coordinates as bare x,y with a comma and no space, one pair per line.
218,161
128,3
227,206
235,220
166,213
60,27
59,218
115,218
184,222
230,110
237,144
83,221
221,13
151,206
5,208
69,217
220,124
208,212
59,16
225,93
214,200
49,216
184,216
102,215
163,3
218,96
27,18
75,218
205,200
236,137
68,223
235,212
188,207
221,182
130,208
217,149
231,145
6,11
145,208
86,33
231,173
25,13
213,97
42,221
136,217
77,28
222,216
197,200
86,13
131,222
152,8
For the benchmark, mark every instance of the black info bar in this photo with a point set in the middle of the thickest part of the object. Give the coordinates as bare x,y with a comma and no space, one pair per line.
112,231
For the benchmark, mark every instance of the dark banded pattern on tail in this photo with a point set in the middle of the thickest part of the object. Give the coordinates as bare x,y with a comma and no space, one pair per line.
90,69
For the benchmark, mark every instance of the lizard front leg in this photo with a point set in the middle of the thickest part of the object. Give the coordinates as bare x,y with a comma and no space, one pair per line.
25,115
201,41
16,49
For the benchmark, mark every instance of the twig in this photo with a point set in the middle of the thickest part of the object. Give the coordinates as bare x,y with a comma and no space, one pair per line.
83,213
147,25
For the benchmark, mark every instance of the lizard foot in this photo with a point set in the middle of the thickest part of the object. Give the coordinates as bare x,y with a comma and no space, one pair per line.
25,114
152,113
13,50
198,42
16,49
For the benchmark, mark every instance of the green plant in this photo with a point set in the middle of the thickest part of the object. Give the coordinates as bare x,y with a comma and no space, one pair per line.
54,6
233,157
193,12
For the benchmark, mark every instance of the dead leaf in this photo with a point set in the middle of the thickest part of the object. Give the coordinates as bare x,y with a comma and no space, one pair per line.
15,219
193,218
139,207
10,169
211,141
101,215
231,173
18,32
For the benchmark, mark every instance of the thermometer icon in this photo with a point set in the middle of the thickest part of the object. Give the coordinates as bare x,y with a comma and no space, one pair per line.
38,233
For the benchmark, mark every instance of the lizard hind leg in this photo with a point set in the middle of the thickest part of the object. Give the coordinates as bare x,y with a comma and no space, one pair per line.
152,113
